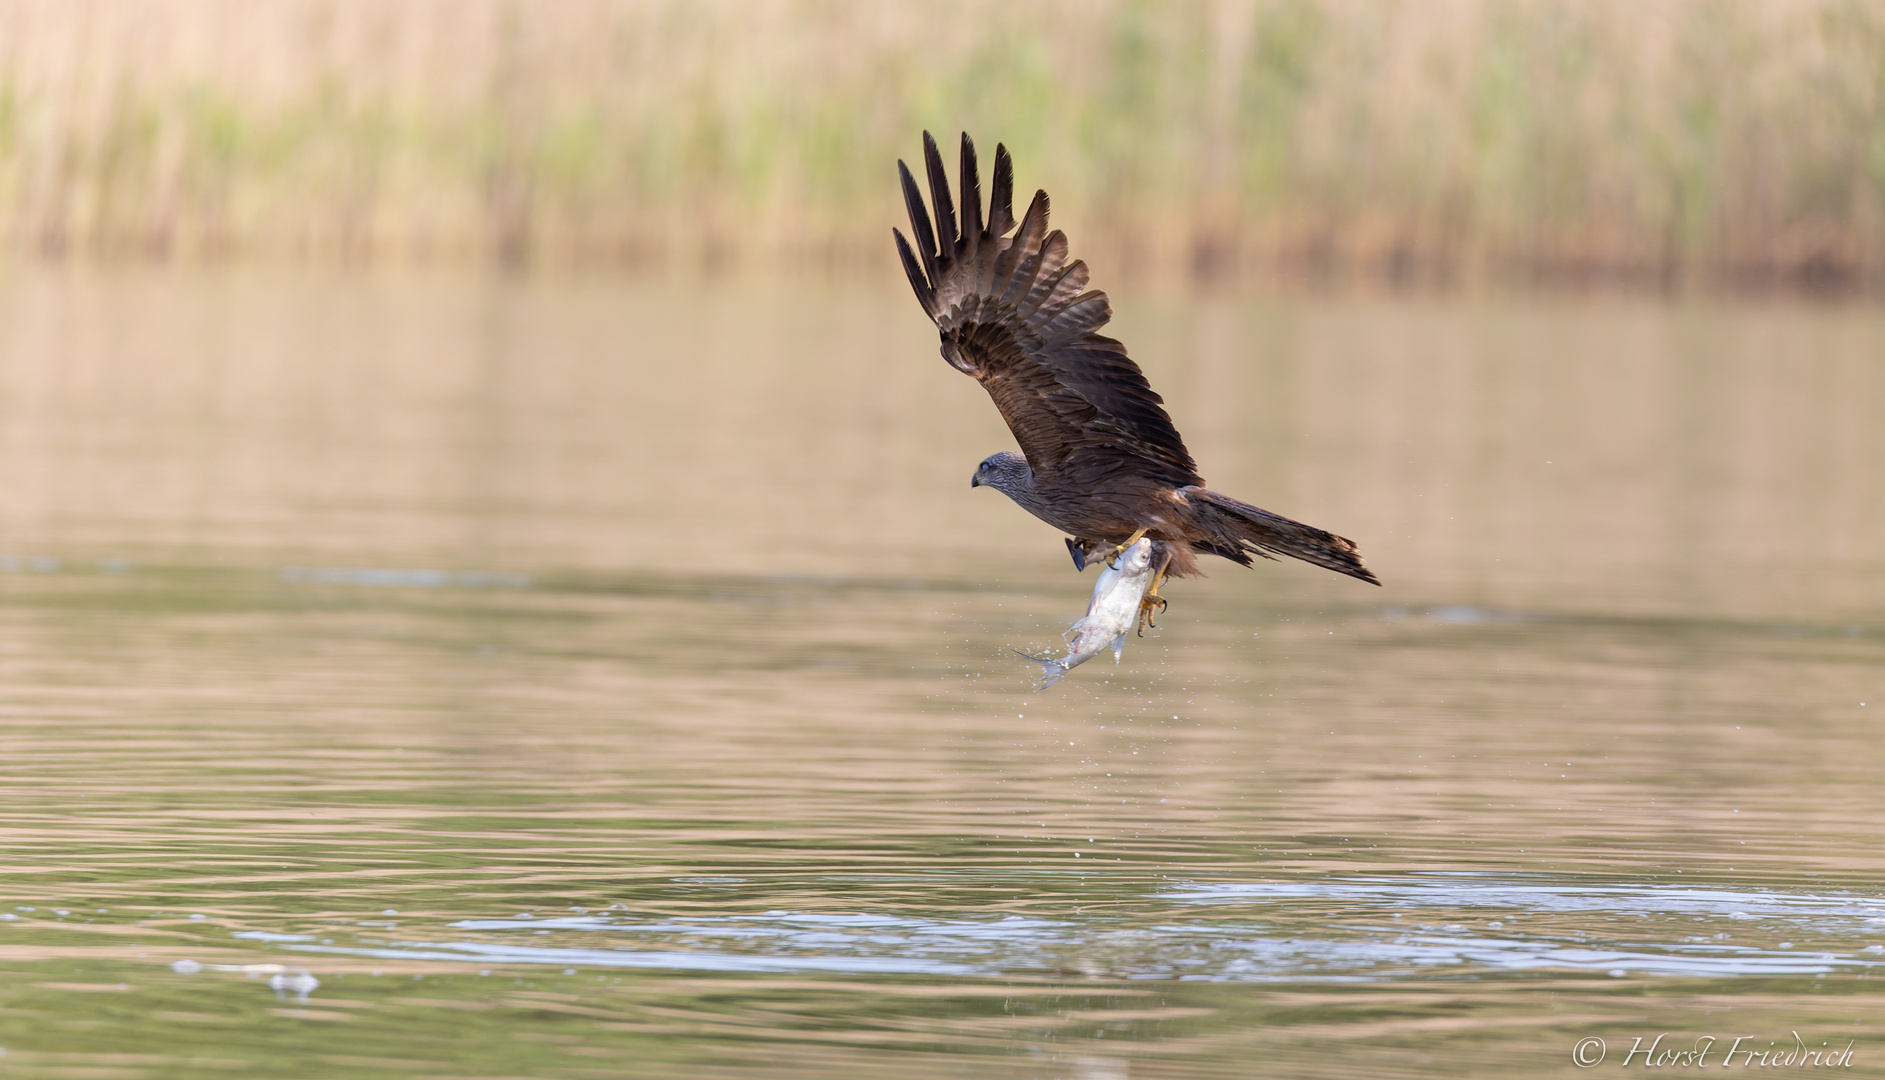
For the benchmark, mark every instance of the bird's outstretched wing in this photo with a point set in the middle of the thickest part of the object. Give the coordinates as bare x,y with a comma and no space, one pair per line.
1014,313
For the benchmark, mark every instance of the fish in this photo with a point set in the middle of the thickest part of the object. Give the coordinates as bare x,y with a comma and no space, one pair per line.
1118,598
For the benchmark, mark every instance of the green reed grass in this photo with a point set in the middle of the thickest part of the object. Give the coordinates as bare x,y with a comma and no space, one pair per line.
1652,140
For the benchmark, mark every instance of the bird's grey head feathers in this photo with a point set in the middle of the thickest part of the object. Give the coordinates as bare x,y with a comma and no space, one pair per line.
1006,472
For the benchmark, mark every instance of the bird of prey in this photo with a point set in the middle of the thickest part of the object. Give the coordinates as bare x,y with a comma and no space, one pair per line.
1100,459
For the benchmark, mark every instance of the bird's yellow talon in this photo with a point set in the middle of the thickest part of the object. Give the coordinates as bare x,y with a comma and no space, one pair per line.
1121,549
1147,602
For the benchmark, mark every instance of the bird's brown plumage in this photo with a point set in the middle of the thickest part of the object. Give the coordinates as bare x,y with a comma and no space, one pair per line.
1102,458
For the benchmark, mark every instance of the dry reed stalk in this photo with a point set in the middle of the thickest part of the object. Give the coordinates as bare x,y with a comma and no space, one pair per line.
1445,140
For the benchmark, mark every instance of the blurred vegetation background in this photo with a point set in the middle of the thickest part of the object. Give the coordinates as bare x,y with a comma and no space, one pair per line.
1661,142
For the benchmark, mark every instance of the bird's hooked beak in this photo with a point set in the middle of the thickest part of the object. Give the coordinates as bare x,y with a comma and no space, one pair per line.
975,481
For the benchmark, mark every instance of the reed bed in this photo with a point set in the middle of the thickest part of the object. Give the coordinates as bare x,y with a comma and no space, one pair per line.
1651,141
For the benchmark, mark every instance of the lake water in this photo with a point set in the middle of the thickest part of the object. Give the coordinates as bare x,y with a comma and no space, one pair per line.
478,677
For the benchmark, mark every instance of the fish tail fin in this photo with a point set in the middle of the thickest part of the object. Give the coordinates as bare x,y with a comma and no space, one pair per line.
1051,669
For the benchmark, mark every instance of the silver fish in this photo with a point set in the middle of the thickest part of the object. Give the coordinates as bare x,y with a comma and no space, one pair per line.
1110,615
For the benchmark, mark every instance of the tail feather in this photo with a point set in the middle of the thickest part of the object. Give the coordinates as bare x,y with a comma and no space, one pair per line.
1244,527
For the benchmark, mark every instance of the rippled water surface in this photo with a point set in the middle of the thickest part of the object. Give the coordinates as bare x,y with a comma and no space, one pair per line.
489,678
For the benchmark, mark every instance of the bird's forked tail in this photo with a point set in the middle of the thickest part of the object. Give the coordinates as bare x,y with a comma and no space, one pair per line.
1241,527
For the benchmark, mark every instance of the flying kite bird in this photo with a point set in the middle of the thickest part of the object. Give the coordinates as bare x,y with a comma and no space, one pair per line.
1100,459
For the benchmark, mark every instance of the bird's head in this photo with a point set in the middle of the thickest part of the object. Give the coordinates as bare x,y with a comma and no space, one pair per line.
1006,472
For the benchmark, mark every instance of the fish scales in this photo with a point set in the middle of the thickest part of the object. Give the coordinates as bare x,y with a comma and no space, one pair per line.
1110,614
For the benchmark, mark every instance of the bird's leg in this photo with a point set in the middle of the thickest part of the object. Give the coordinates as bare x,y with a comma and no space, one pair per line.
1121,549
1152,603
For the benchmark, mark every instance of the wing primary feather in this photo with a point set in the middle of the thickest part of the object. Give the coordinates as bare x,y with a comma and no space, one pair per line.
1056,281
1071,283
1025,248
1002,276
1001,197
919,223
971,198
1022,280
924,294
1053,260
939,193
1083,314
